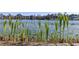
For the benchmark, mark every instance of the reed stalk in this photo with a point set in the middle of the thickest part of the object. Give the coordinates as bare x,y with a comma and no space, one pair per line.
47,30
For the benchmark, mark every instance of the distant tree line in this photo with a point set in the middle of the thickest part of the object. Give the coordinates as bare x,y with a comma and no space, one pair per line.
38,17
32,17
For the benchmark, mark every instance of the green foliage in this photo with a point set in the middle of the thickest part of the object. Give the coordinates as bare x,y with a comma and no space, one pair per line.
18,28
47,30
4,25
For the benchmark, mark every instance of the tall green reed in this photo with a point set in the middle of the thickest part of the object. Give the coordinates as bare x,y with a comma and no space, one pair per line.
56,29
47,30
40,32
63,21
4,25
60,24
65,24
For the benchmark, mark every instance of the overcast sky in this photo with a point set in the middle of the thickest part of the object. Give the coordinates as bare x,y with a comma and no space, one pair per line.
70,6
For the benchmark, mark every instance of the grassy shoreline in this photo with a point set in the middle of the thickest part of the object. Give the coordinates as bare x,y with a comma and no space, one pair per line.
19,32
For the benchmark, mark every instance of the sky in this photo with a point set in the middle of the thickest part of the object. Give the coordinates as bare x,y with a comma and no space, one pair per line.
27,13
70,6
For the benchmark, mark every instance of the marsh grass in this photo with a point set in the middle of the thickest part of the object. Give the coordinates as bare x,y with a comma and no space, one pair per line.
40,32
19,32
62,24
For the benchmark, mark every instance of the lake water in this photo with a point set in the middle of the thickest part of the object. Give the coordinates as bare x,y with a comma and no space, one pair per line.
73,27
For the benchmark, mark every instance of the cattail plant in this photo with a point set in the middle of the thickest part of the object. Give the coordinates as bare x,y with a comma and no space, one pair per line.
10,24
56,29
47,30
67,22
64,24
60,23
4,25
40,32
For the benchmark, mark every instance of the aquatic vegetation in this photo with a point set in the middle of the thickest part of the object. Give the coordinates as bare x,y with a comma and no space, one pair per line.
60,17
47,30
40,32
18,31
56,28
4,25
